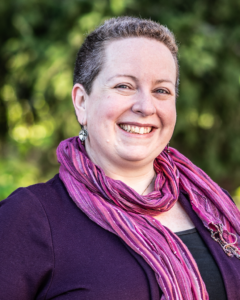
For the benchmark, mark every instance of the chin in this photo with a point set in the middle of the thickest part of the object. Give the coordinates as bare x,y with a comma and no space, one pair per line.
136,155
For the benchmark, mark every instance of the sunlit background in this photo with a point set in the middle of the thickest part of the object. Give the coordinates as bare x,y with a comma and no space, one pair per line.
39,40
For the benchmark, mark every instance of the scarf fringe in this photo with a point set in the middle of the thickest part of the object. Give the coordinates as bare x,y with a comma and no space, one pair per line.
227,247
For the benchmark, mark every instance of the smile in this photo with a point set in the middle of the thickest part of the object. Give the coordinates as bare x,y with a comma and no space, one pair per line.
135,129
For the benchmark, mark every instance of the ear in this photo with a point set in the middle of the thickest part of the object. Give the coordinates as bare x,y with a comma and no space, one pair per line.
79,96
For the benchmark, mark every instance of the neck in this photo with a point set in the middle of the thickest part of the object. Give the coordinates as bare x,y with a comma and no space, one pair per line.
138,176
143,184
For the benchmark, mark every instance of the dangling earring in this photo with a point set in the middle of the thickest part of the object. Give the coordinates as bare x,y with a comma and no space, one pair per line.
83,134
168,151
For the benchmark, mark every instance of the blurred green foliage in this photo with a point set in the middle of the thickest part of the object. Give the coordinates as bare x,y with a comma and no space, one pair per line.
39,40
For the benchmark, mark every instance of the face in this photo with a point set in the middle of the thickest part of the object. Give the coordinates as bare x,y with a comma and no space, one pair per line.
130,114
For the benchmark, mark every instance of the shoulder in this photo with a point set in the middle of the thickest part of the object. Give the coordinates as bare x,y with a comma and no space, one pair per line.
24,216
37,190
24,211
42,206
46,206
31,199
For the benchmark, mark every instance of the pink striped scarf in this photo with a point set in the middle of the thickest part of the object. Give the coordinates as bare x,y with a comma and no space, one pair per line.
119,209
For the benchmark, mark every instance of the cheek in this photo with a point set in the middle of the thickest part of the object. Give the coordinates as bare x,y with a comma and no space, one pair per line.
173,116
110,109
168,115
104,113
111,112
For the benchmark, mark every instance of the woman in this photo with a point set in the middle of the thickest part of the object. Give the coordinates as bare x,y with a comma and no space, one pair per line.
127,217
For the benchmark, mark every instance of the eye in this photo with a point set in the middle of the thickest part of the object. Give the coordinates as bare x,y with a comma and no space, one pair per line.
122,86
162,91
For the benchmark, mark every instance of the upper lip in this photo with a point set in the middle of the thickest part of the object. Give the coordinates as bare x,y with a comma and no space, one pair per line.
137,124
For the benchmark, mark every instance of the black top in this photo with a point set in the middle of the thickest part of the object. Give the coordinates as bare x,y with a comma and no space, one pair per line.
207,266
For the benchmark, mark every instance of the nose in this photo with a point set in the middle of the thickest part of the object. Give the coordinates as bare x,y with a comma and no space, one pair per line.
144,105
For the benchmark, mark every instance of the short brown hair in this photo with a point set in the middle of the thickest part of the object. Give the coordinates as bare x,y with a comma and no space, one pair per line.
90,57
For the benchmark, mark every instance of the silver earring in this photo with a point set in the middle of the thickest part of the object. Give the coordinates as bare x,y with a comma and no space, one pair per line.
168,151
83,134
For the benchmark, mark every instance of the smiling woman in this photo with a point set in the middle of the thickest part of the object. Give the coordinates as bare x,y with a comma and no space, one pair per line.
127,217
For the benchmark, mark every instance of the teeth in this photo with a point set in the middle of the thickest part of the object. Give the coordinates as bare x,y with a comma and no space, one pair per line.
135,129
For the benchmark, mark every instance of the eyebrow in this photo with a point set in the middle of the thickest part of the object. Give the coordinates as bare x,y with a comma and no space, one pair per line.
136,80
124,75
164,80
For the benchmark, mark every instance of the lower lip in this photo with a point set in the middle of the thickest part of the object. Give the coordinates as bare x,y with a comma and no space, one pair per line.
137,135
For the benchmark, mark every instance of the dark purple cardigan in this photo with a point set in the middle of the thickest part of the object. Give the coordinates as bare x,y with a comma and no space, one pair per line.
51,250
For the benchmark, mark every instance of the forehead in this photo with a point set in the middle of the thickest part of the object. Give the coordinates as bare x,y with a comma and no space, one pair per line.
139,55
